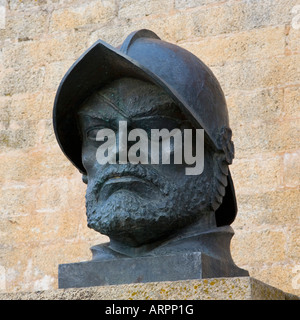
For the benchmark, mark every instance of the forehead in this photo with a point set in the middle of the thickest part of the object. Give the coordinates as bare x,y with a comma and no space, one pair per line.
130,98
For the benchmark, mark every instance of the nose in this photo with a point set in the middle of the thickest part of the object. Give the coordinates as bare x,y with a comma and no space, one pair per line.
122,142
132,144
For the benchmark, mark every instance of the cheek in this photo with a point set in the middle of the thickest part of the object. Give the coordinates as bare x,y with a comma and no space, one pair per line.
89,160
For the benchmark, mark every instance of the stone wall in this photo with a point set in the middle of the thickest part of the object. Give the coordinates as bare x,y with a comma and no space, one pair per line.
252,47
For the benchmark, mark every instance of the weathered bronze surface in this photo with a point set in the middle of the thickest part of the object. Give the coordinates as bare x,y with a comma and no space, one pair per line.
148,210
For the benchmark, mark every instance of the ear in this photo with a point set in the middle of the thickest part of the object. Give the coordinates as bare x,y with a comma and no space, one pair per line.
220,179
225,144
85,179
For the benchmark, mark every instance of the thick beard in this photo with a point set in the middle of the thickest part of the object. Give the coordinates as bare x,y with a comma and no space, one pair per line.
133,220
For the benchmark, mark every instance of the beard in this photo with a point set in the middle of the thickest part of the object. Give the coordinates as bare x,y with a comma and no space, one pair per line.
144,212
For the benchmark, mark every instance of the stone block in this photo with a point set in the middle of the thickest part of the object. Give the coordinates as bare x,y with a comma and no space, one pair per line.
130,9
54,72
61,194
236,16
47,49
176,28
45,132
93,12
48,255
16,199
248,106
292,102
290,130
293,244
19,134
263,73
27,106
184,4
292,40
5,107
291,169
247,45
262,137
24,25
258,247
257,174
25,111
17,263
52,195
13,166
50,162
28,4
22,80
283,275
32,265
171,26
34,164
278,207
113,35
24,221
245,288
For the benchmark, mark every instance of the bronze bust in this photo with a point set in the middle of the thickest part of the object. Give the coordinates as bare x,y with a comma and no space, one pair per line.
152,211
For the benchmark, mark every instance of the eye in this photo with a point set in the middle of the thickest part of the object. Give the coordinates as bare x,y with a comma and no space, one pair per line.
91,134
92,128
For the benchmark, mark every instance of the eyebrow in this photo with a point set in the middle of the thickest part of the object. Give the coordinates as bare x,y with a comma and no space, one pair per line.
163,109
110,103
95,117
154,109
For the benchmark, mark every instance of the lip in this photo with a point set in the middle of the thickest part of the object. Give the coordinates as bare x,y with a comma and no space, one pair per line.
122,179
127,183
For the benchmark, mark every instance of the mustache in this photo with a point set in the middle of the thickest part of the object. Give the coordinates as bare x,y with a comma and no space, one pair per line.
146,173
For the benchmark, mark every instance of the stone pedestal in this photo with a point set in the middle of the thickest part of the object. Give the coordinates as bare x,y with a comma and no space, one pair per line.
238,288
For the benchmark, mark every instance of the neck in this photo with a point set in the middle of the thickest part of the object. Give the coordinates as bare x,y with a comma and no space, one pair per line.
205,224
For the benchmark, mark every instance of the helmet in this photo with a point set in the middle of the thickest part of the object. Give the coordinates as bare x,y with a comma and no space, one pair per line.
143,55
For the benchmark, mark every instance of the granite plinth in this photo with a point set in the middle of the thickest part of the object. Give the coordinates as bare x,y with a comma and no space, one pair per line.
237,288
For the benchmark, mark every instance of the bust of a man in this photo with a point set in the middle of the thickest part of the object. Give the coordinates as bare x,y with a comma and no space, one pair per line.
147,126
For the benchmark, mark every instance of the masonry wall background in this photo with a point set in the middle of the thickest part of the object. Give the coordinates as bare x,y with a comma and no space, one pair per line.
252,46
